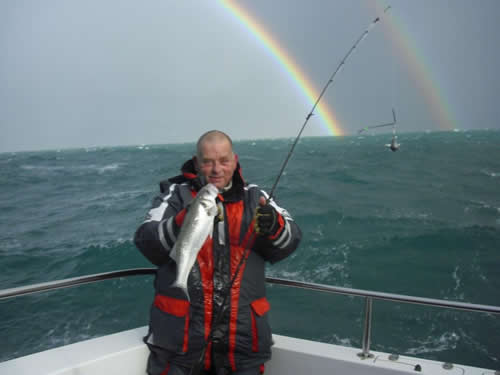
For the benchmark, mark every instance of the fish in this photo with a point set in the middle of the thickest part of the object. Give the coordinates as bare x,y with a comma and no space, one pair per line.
197,226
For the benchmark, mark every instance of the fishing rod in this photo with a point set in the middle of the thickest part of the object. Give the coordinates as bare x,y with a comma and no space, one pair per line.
197,367
311,113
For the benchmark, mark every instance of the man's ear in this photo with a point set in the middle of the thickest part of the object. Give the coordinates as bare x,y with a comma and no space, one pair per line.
235,162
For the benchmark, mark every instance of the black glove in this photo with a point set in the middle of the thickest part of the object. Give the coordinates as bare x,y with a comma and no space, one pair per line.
266,220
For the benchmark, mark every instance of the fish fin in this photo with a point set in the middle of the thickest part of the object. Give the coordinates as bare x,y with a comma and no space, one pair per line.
173,253
213,210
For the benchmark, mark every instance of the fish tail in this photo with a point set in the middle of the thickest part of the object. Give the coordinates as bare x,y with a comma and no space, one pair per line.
182,287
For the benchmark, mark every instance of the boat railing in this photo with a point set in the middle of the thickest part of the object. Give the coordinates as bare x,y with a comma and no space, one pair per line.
367,294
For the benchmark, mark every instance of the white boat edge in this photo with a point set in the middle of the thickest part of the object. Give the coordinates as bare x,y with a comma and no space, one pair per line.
125,353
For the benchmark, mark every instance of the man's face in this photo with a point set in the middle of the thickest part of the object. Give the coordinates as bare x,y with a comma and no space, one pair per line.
217,162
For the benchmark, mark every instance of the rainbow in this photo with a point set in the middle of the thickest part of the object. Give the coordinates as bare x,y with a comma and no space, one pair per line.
286,62
414,62
402,42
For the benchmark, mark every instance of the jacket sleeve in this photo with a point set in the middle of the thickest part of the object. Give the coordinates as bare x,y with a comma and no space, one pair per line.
284,242
156,236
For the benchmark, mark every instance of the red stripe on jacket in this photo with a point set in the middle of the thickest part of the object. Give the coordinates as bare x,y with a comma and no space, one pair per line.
281,223
179,218
176,307
255,334
165,372
259,307
234,215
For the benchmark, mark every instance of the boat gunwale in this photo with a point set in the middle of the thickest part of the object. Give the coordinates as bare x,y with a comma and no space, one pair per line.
66,283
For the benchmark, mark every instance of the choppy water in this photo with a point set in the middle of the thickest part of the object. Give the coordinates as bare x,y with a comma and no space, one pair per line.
423,221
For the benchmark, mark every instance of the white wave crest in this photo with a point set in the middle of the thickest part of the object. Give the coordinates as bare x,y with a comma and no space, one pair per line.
490,173
107,168
72,168
432,344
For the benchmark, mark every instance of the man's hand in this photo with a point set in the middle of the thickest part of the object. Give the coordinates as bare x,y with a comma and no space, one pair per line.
266,219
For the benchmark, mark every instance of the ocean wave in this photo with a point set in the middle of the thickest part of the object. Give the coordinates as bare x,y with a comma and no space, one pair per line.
6,161
59,261
293,275
433,344
10,246
325,273
482,212
116,244
490,173
109,167
345,176
319,264
29,167
403,213
103,256
115,202
249,158
72,168
458,281
337,340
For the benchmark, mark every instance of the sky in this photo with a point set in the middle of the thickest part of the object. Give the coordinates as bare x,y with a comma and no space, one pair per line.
121,72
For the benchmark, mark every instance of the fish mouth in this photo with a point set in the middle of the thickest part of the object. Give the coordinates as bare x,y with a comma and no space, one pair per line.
211,188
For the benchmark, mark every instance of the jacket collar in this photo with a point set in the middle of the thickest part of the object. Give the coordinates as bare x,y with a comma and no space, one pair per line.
235,193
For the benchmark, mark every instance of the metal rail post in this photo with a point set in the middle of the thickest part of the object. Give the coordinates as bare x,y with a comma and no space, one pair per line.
367,330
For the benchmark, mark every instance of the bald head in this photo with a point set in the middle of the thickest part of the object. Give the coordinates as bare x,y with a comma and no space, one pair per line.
212,136
215,159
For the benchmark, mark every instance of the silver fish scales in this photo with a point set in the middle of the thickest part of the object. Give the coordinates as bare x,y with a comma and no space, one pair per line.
197,226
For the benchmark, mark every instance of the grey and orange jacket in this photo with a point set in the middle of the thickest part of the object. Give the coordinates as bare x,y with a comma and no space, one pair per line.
180,326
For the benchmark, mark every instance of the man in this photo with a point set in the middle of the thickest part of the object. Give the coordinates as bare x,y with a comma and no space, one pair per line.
233,330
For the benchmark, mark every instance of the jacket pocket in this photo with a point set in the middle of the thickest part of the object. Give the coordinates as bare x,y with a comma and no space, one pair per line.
170,323
261,332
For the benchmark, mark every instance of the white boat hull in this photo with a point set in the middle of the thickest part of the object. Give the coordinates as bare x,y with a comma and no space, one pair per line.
125,353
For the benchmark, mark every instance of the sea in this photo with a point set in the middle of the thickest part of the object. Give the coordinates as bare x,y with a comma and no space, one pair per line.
423,221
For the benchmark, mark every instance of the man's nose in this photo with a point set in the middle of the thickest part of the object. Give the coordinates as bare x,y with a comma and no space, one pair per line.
216,167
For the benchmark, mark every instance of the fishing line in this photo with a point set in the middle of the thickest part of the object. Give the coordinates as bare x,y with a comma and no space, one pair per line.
393,123
311,113
198,366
